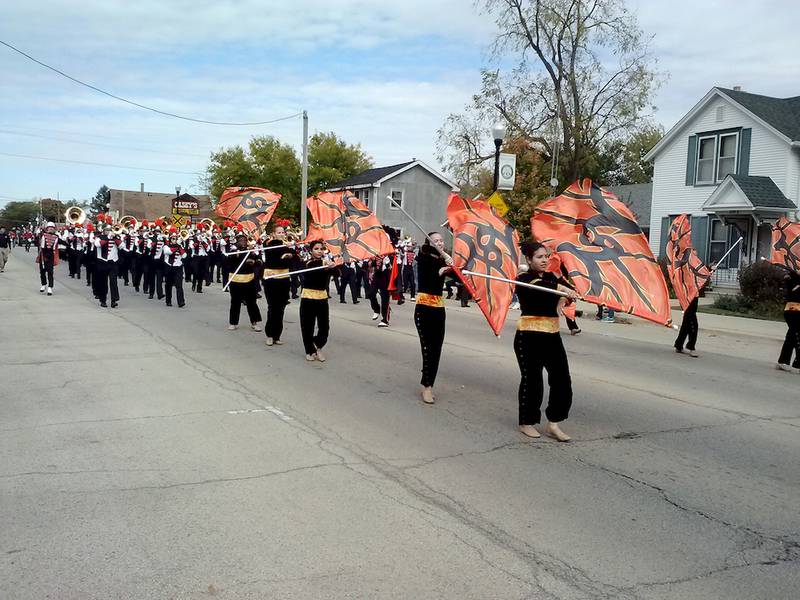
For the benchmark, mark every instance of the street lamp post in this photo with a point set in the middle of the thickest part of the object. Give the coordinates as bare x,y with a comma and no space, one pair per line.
499,134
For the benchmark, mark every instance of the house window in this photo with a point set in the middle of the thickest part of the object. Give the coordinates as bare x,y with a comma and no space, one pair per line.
718,243
705,159
727,155
365,197
397,199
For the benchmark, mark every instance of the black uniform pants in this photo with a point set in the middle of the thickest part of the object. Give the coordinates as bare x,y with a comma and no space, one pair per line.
137,269
123,266
348,278
200,274
46,272
277,293
159,269
536,351
430,322
792,341
243,293
74,263
174,279
148,274
409,284
189,266
688,328
106,278
88,262
314,312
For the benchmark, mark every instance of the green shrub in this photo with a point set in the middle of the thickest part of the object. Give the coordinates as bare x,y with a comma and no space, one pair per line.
762,283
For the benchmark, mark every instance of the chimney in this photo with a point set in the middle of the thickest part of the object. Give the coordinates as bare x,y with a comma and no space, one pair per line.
737,88
141,187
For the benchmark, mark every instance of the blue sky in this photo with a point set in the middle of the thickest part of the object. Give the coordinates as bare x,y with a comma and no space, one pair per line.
384,74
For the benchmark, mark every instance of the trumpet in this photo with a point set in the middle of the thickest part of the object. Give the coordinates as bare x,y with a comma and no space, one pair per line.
75,215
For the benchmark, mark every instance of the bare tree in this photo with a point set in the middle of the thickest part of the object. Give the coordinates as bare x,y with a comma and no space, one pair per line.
583,78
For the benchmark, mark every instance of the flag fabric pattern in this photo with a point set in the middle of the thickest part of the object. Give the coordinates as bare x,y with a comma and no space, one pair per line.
604,250
349,229
484,243
786,245
687,272
251,207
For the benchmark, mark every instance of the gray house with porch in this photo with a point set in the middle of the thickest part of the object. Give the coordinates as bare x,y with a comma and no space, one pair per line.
419,189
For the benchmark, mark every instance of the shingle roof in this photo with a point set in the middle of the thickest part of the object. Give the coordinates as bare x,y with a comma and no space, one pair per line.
781,113
762,191
369,176
638,197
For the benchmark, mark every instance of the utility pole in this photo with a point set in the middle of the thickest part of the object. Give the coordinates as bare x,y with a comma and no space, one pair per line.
304,184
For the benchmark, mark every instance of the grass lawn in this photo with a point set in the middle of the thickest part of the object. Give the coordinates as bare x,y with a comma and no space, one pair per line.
710,308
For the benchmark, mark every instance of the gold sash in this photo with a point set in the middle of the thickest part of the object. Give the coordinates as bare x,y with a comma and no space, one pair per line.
431,300
540,324
268,272
314,294
240,278
792,306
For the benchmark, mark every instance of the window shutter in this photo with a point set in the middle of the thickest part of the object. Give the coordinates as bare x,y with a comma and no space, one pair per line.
662,243
691,155
744,152
700,236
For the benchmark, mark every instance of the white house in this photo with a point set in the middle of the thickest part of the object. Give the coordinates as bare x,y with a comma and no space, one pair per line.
733,164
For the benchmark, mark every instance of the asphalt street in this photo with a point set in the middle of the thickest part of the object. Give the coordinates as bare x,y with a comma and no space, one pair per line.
147,452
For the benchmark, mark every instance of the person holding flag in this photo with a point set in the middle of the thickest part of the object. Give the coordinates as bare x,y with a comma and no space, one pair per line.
538,346
314,304
241,284
278,256
429,314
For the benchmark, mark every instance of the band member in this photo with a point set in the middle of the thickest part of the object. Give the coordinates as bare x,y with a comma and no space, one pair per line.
5,247
348,276
76,239
88,254
381,280
276,261
688,331
107,244
242,286
314,305
154,276
47,257
174,253
791,313
429,314
538,346
200,248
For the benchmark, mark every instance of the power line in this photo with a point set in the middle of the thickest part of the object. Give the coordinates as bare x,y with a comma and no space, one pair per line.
81,162
101,144
150,108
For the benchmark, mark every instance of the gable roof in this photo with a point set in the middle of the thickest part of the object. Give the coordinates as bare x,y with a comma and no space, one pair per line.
757,191
638,197
375,177
780,115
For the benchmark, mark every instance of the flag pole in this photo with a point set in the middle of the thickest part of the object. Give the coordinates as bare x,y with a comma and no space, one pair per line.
290,273
394,202
538,288
236,272
719,262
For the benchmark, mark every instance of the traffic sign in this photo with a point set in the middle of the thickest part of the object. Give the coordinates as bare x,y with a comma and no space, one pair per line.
496,201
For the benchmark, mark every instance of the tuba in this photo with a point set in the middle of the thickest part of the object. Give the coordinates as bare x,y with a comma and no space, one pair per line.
185,234
75,215
118,229
209,223
128,221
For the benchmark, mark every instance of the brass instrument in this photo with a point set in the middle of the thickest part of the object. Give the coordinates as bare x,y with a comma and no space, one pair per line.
209,223
294,235
128,221
185,234
118,229
75,215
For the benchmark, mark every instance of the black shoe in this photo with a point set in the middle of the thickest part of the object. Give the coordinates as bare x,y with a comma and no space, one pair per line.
342,302
295,297
259,296
135,289
104,305
401,302
356,302
199,291
161,297
126,284
181,305
169,303
114,305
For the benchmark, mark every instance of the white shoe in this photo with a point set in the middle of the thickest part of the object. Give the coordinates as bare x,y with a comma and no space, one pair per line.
255,327
376,316
311,357
41,289
232,327
269,341
783,367
319,356
49,291
383,324
278,342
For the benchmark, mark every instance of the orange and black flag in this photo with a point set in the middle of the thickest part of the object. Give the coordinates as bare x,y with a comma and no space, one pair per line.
484,243
349,229
786,245
604,250
251,207
687,272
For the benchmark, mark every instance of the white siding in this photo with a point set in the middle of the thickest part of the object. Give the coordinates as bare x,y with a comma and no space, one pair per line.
671,195
793,177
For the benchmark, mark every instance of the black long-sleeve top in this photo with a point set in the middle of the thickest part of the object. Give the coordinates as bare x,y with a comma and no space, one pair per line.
534,303
275,259
793,288
235,259
316,280
428,265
